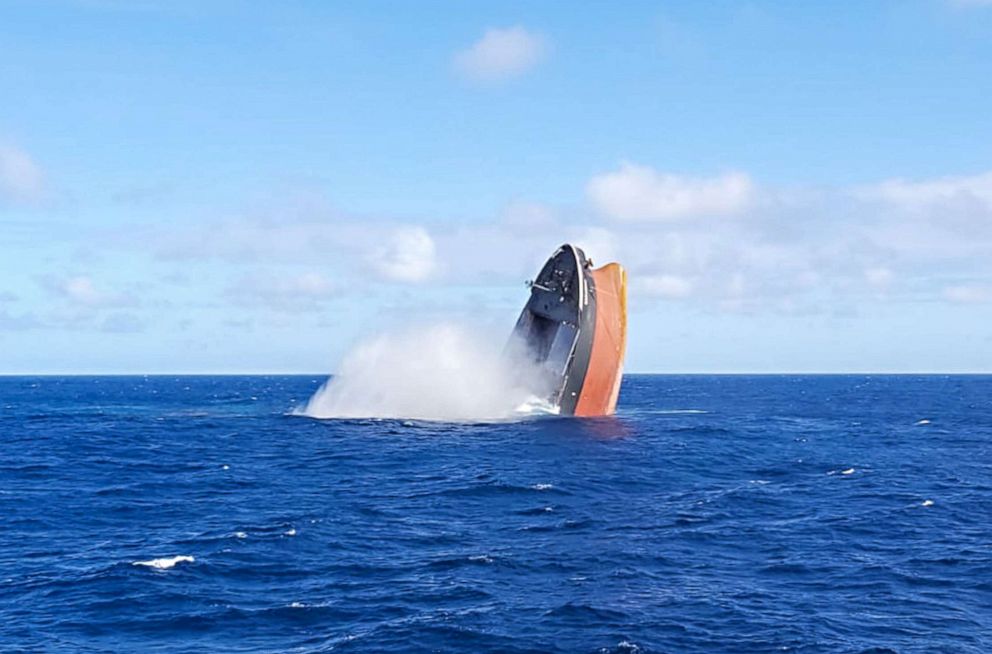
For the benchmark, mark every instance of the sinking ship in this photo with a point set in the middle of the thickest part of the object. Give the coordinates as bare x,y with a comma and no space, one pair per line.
573,330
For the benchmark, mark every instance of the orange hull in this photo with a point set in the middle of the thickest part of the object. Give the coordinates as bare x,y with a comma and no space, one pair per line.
574,330
602,382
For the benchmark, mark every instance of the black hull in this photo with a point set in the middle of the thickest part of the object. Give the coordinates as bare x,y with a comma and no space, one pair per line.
556,328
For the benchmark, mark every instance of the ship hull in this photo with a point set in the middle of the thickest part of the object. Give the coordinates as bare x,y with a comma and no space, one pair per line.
601,385
572,332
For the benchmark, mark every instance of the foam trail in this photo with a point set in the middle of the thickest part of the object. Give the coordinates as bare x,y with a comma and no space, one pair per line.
166,562
443,372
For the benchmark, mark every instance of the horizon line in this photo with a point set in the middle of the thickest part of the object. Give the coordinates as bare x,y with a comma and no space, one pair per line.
632,373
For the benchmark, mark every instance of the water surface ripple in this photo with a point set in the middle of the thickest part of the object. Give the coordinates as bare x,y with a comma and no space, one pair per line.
713,514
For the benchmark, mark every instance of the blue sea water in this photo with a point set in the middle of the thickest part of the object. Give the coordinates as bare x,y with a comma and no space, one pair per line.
712,514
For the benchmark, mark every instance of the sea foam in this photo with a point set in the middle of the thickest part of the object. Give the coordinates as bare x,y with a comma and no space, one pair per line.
166,562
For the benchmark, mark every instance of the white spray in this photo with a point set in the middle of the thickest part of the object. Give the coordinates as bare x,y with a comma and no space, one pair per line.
442,372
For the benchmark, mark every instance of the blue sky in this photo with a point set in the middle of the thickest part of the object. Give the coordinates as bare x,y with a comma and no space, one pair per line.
252,187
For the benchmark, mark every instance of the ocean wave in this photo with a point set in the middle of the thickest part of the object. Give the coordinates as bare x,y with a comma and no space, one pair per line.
166,562
436,537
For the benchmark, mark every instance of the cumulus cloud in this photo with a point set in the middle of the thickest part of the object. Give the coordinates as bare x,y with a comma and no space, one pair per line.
287,292
122,323
528,215
10,321
637,193
21,179
599,243
664,286
796,249
82,292
975,190
501,54
786,249
250,240
879,277
309,285
408,256
968,293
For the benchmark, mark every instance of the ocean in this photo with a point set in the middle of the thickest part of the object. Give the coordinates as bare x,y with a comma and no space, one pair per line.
799,514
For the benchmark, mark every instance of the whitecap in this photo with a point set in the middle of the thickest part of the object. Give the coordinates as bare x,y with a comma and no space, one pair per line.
297,605
166,562
240,534
542,487
922,422
480,558
291,532
927,503
848,471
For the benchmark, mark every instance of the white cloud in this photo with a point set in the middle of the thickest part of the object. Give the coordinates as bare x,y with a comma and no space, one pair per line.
637,193
879,278
309,285
241,240
21,179
968,293
501,54
18,322
306,285
122,323
82,292
528,215
286,292
970,189
408,256
664,286
600,245
797,249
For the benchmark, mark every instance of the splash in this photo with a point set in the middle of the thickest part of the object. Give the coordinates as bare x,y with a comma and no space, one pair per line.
443,372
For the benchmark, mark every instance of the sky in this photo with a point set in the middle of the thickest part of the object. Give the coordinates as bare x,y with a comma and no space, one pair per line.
244,187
